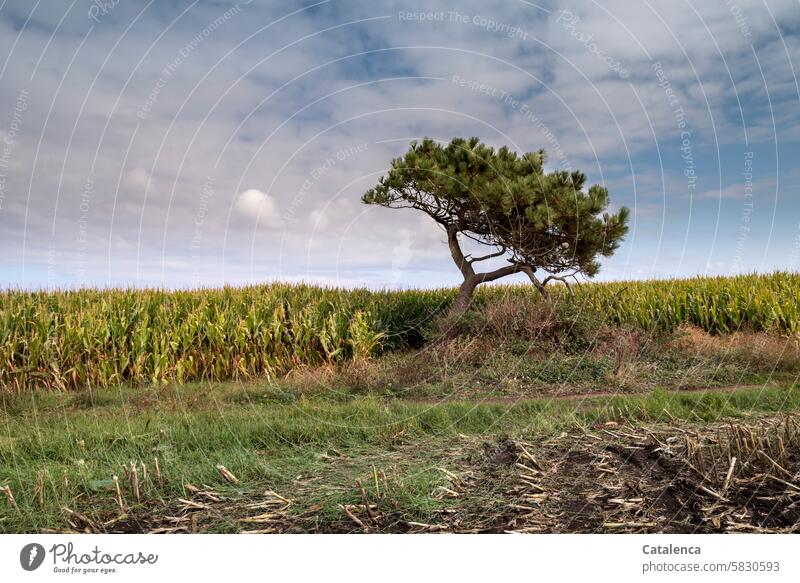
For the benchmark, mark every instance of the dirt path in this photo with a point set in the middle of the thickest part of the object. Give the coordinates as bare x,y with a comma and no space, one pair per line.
583,395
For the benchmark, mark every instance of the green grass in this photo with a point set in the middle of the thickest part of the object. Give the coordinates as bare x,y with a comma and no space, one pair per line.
267,440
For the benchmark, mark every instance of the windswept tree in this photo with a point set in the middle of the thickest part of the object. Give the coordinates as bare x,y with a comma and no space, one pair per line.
533,220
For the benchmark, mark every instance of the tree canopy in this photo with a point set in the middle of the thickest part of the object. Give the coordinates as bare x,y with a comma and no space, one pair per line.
535,220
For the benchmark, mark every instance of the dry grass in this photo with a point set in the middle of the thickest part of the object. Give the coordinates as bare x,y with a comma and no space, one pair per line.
516,317
759,349
517,347
523,318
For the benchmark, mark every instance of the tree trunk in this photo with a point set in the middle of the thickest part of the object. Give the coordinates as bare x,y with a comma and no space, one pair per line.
529,271
472,279
464,298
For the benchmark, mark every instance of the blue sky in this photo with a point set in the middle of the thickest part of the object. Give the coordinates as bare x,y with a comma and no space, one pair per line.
206,143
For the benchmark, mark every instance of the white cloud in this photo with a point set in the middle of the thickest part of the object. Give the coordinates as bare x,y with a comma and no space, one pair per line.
136,178
259,207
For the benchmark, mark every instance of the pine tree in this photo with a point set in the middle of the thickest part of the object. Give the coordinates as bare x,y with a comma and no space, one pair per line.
536,221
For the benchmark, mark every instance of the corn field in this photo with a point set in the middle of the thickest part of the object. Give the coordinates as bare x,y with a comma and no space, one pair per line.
93,338
97,338
716,304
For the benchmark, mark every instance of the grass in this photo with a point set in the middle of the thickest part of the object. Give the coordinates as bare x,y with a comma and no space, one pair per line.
61,450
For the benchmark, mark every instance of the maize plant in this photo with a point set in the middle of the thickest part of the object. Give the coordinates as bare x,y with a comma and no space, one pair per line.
95,338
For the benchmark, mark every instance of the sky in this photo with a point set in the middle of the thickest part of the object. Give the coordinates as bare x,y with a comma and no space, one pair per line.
204,143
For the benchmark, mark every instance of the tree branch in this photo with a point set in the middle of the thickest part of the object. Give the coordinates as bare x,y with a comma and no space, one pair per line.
489,256
529,271
561,279
498,273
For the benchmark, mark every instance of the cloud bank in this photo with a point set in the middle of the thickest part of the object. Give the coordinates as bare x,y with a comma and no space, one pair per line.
202,143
